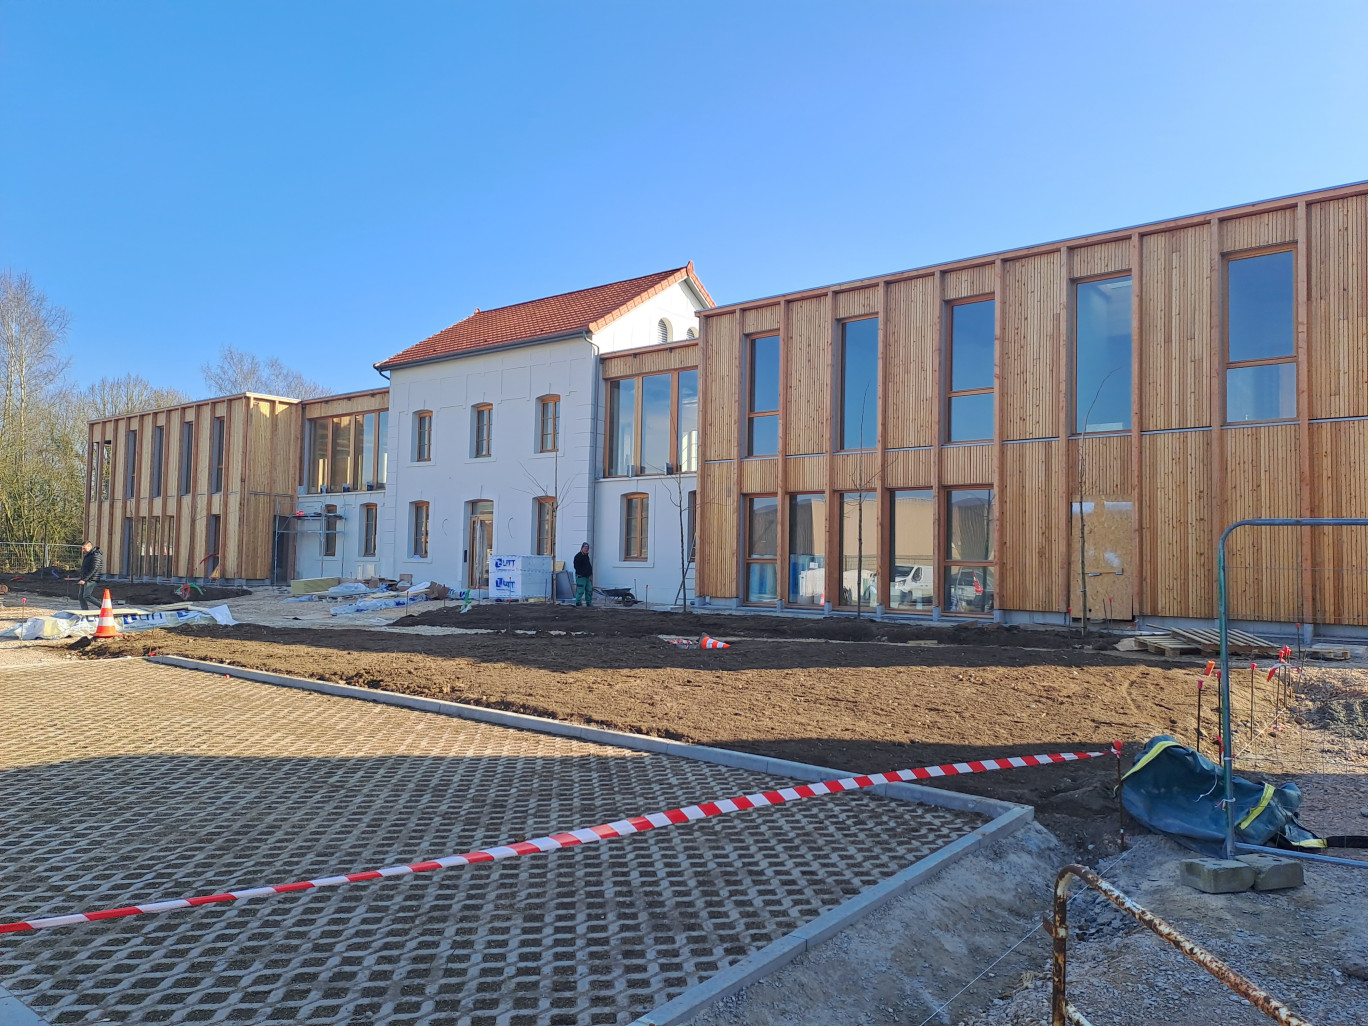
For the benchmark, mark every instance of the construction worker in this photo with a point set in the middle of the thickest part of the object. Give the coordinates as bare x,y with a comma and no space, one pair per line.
92,572
584,576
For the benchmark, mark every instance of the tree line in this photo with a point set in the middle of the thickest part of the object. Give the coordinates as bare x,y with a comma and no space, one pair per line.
44,413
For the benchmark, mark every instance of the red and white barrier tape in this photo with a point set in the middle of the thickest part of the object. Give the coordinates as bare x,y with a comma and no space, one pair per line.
573,838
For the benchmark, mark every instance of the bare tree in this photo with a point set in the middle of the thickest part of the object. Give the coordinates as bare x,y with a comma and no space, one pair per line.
132,393
40,487
240,371
557,493
679,499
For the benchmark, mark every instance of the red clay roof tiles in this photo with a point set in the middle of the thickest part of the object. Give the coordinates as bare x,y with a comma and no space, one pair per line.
585,310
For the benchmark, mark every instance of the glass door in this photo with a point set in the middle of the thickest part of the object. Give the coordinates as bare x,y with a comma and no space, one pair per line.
481,541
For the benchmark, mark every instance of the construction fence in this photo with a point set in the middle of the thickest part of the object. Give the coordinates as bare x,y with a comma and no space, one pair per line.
29,557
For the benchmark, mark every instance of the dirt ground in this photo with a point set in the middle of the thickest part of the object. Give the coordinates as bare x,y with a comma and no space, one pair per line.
860,706
50,585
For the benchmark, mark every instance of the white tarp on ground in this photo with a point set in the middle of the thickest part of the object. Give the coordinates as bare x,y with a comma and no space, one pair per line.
68,624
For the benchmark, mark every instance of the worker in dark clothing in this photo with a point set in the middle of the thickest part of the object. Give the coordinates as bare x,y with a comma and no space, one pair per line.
584,576
92,572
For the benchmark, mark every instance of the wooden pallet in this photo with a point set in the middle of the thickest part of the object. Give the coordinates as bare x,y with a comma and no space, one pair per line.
1329,652
1209,641
1168,645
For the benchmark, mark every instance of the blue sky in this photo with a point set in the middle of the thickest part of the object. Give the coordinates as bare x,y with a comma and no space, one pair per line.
331,182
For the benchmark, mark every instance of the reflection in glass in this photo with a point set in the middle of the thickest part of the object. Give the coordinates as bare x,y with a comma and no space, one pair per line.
763,531
971,418
969,524
762,583
969,589
764,436
365,475
339,470
911,582
971,345
1260,307
807,550
859,549
621,427
859,383
1264,392
656,442
382,441
688,422
764,374
1102,356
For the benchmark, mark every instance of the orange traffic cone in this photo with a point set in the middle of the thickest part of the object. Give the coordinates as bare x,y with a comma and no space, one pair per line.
712,643
105,627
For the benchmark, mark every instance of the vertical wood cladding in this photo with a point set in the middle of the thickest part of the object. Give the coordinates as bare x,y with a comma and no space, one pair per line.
1155,498
720,370
718,538
1030,347
1175,330
809,377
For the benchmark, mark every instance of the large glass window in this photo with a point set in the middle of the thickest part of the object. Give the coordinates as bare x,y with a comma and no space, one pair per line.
635,527
859,549
381,448
340,456
370,515
657,443
860,383
762,408
105,454
158,460
546,525
622,427
911,578
187,457
688,422
131,460
548,431
969,551
346,454
365,472
1261,376
969,411
807,550
762,548
484,431
1102,355
216,456
213,535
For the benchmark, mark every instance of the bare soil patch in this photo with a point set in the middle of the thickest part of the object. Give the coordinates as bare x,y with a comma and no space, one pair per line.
857,707
122,593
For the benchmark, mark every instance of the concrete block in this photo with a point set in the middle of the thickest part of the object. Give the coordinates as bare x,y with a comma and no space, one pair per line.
1273,873
1217,876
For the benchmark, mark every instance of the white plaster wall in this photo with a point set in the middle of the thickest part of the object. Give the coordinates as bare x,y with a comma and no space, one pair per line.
309,558
677,304
512,381
656,578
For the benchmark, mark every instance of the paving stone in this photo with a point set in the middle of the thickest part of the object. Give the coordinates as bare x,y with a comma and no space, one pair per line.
128,782
1217,876
1274,873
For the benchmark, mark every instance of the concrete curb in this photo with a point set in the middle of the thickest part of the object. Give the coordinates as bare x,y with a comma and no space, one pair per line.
786,949
932,796
14,1012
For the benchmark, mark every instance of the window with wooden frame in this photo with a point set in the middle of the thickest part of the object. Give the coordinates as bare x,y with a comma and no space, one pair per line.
1102,355
762,549
1261,337
422,436
858,549
807,537
158,466
131,485
216,444
548,423
969,392
635,526
213,537
104,452
546,525
346,453
762,396
418,529
652,424
330,519
969,551
187,457
370,517
911,537
859,376
484,430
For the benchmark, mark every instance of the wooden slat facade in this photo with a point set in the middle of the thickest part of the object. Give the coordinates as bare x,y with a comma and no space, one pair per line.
170,531
1155,498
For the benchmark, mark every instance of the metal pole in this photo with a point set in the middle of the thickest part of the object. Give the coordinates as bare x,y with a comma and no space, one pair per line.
1227,748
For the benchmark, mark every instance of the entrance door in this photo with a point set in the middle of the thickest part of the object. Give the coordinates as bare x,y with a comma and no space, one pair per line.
481,540
282,569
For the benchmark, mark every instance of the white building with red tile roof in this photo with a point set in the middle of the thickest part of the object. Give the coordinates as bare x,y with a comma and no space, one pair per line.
528,429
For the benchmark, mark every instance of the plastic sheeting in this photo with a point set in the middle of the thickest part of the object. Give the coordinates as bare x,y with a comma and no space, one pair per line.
1174,790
